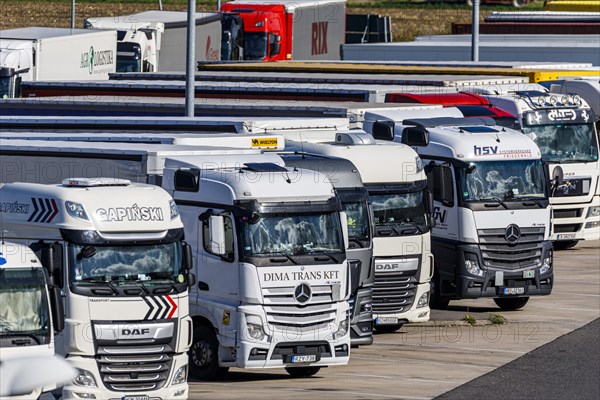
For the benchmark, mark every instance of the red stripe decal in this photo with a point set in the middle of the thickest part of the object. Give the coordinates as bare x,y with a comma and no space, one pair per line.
173,305
55,210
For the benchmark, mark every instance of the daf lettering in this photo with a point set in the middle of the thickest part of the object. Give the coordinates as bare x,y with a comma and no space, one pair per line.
135,331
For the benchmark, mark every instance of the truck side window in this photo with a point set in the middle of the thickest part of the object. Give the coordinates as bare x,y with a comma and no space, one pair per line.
440,183
229,239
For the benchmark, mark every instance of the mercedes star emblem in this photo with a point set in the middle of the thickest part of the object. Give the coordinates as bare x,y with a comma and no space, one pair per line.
303,293
512,234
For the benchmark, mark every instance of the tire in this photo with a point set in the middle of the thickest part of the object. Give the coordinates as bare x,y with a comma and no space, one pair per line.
511,303
204,355
565,244
388,328
302,372
437,301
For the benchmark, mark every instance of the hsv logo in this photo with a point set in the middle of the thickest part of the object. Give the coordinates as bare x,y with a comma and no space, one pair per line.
159,307
439,215
319,37
485,150
44,210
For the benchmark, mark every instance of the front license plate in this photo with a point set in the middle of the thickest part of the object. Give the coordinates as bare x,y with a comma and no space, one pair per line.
566,236
304,359
386,321
511,291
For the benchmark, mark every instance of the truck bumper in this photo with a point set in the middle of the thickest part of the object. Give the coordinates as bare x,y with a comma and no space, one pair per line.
361,314
167,392
576,221
416,313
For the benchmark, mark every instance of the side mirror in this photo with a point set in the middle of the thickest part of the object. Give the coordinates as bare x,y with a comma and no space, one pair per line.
276,48
191,279
188,262
415,136
47,259
447,187
383,130
58,309
557,176
344,220
429,208
216,228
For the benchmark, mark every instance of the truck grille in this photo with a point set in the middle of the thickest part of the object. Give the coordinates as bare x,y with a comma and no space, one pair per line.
134,368
394,292
498,253
283,310
567,228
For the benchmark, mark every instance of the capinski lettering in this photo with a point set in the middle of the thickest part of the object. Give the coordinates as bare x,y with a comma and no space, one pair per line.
133,213
14,208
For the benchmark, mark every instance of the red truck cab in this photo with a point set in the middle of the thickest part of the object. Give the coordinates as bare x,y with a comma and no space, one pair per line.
470,104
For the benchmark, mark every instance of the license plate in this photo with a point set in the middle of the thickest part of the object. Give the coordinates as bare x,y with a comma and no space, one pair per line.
510,291
386,320
528,274
140,397
566,236
304,359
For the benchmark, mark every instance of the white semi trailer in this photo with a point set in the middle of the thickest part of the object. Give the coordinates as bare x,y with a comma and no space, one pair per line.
155,40
54,54
116,251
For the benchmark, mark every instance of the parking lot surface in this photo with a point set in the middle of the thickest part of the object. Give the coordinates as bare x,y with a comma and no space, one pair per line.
427,360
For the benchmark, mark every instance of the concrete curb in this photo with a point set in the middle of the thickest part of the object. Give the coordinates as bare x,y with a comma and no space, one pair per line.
442,324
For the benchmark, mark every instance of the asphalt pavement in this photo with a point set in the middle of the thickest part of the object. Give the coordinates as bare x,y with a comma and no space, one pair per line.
567,368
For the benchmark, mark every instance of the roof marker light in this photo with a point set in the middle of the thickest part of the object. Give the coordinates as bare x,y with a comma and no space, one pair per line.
94,182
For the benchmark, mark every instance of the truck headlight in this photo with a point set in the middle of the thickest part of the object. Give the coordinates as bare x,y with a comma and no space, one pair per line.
593,211
547,264
84,378
424,300
342,329
419,163
472,264
256,331
366,308
180,376
174,209
76,210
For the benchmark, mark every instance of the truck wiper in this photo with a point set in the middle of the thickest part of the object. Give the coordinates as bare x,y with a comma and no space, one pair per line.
379,228
107,283
497,200
354,240
414,224
328,254
10,332
285,255
531,198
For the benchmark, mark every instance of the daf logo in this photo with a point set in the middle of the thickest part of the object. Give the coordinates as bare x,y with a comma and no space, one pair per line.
387,267
135,331
303,293
512,234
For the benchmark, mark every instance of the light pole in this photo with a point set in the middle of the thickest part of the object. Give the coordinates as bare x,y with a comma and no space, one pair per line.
190,58
475,32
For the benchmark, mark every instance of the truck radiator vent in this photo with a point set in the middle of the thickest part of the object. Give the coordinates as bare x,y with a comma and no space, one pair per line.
498,253
567,228
302,318
567,213
322,294
393,292
134,368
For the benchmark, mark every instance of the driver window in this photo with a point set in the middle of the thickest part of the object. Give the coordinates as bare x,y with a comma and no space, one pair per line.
229,239
274,47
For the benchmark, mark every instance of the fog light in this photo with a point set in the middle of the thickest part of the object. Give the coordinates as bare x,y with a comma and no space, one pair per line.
180,376
84,378
85,395
368,307
179,393
593,224
423,300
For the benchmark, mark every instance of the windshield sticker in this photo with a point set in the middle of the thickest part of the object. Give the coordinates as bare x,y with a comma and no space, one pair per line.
557,115
133,213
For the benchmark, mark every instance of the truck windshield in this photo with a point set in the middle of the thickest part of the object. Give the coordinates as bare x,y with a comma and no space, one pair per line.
399,213
123,264
566,142
24,310
357,213
255,45
503,180
293,234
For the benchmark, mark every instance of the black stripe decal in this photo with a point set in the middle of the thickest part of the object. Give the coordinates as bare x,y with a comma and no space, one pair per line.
157,308
49,212
35,209
150,308
42,210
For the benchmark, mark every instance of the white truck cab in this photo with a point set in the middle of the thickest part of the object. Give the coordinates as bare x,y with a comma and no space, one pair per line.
28,321
491,210
270,256
563,127
116,251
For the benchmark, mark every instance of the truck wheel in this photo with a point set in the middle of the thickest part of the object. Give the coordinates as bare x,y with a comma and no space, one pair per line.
204,355
302,372
388,328
565,244
511,303
436,300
